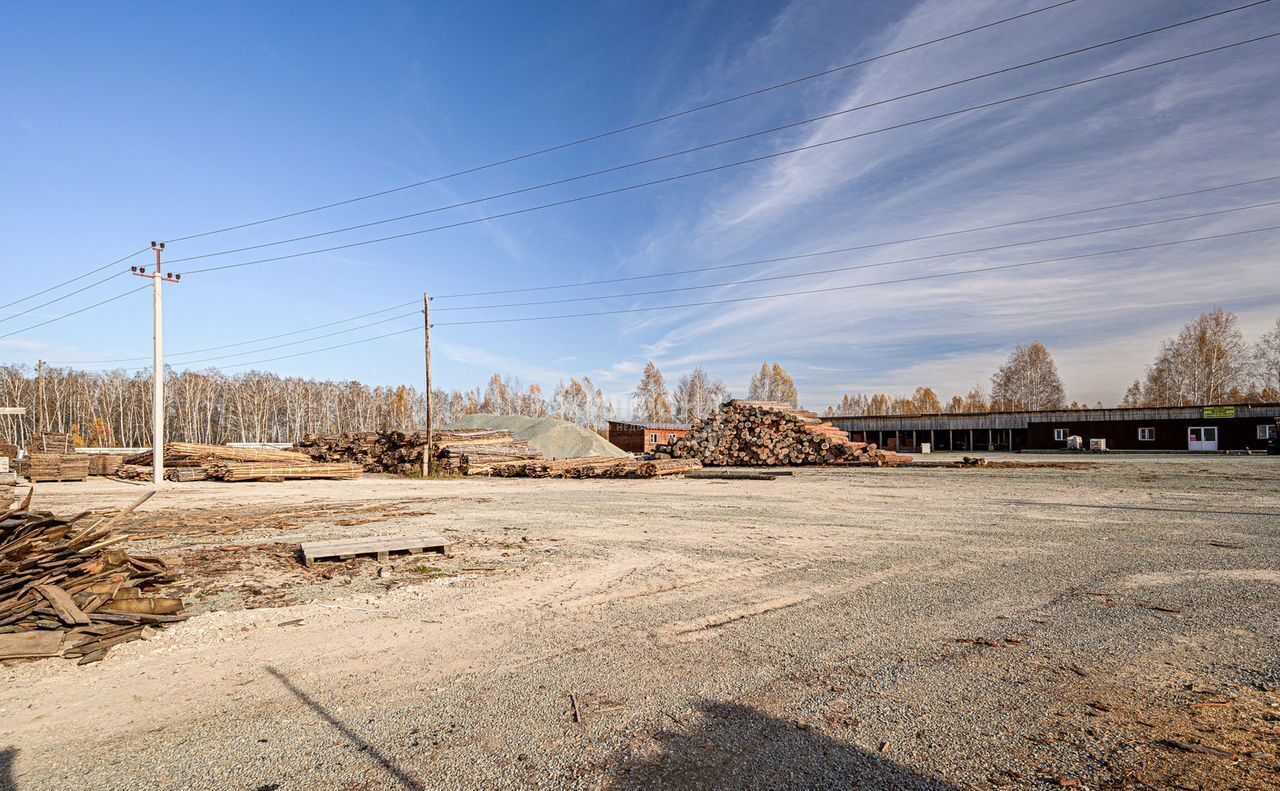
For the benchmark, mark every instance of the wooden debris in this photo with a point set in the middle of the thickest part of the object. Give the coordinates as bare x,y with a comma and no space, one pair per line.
657,469
769,433
272,471
62,583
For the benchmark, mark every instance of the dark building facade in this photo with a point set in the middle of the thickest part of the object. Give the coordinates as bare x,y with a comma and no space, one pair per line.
1234,427
644,437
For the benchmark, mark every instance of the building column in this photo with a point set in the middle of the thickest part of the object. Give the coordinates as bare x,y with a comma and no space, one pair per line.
970,448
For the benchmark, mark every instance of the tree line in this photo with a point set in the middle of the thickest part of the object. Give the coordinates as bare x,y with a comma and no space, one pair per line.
1208,362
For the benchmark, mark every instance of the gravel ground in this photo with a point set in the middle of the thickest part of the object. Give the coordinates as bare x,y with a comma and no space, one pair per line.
899,628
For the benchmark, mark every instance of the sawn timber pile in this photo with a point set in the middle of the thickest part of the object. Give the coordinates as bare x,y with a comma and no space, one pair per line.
595,467
64,591
189,461
768,433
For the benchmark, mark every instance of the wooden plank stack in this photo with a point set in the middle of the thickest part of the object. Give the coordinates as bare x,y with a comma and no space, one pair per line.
769,433
104,463
66,591
57,467
189,461
46,442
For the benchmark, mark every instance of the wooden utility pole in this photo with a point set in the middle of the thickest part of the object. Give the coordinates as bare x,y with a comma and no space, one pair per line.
426,347
157,373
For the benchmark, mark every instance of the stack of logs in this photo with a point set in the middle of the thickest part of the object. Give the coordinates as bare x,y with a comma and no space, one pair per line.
596,467
66,592
455,451
769,433
189,461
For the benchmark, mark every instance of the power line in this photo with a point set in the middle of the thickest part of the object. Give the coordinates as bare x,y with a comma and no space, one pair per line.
74,312
708,146
241,343
64,296
855,286
72,280
874,265
855,248
931,276
750,281
747,263
739,163
629,127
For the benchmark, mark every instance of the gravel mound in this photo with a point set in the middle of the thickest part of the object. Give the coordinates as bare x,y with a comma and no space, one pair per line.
557,439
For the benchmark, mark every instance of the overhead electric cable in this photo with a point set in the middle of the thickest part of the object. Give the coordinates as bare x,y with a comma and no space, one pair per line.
75,312
913,279
59,299
630,127
726,166
874,265
777,259
677,289
74,279
708,146
828,289
868,246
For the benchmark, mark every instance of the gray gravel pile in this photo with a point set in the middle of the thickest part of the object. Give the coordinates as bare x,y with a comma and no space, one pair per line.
557,439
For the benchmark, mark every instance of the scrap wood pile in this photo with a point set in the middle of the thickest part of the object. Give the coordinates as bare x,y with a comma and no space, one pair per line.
478,451
769,433
67,590
189,461
595,467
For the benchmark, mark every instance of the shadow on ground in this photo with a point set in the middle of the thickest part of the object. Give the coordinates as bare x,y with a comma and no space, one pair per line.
728,746
7,757
396,775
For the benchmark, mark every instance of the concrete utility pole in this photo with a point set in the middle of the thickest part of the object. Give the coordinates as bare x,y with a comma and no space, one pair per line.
157,374
426,346
40,413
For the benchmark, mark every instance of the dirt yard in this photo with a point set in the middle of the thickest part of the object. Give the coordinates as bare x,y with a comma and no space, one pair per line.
1116,626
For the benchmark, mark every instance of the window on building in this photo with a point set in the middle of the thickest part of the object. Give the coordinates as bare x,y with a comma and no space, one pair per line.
1060,434
653,437
1266,430
1147,434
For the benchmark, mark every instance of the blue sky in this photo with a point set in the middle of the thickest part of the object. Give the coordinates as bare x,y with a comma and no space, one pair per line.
128,122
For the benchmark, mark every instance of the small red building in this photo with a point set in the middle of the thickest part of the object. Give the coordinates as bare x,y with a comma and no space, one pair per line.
645,437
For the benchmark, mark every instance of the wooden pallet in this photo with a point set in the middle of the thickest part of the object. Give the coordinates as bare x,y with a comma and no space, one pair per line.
382,546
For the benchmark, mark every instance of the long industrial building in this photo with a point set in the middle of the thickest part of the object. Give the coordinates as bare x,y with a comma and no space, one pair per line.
1231,427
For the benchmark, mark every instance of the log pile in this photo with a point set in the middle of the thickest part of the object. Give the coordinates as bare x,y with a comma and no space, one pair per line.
67,590
595,467
457,451
768,433
134,472
57,467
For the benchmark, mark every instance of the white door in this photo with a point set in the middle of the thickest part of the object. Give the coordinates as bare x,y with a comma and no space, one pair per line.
1202,438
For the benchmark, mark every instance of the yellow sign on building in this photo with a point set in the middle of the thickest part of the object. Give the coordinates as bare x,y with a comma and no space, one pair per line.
1219,411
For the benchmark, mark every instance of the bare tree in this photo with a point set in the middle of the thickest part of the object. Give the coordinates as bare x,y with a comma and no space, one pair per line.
652,405
1207,363
1266,360
697,396
773,384
1028,380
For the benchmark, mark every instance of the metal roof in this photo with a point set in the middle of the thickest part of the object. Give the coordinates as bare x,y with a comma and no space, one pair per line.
1002,420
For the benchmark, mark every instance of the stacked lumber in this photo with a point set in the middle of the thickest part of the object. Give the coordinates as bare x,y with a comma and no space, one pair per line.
8,485
57,467
65,591
189,461
769,433
271,471
44,442
8,451
105,463
133,472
